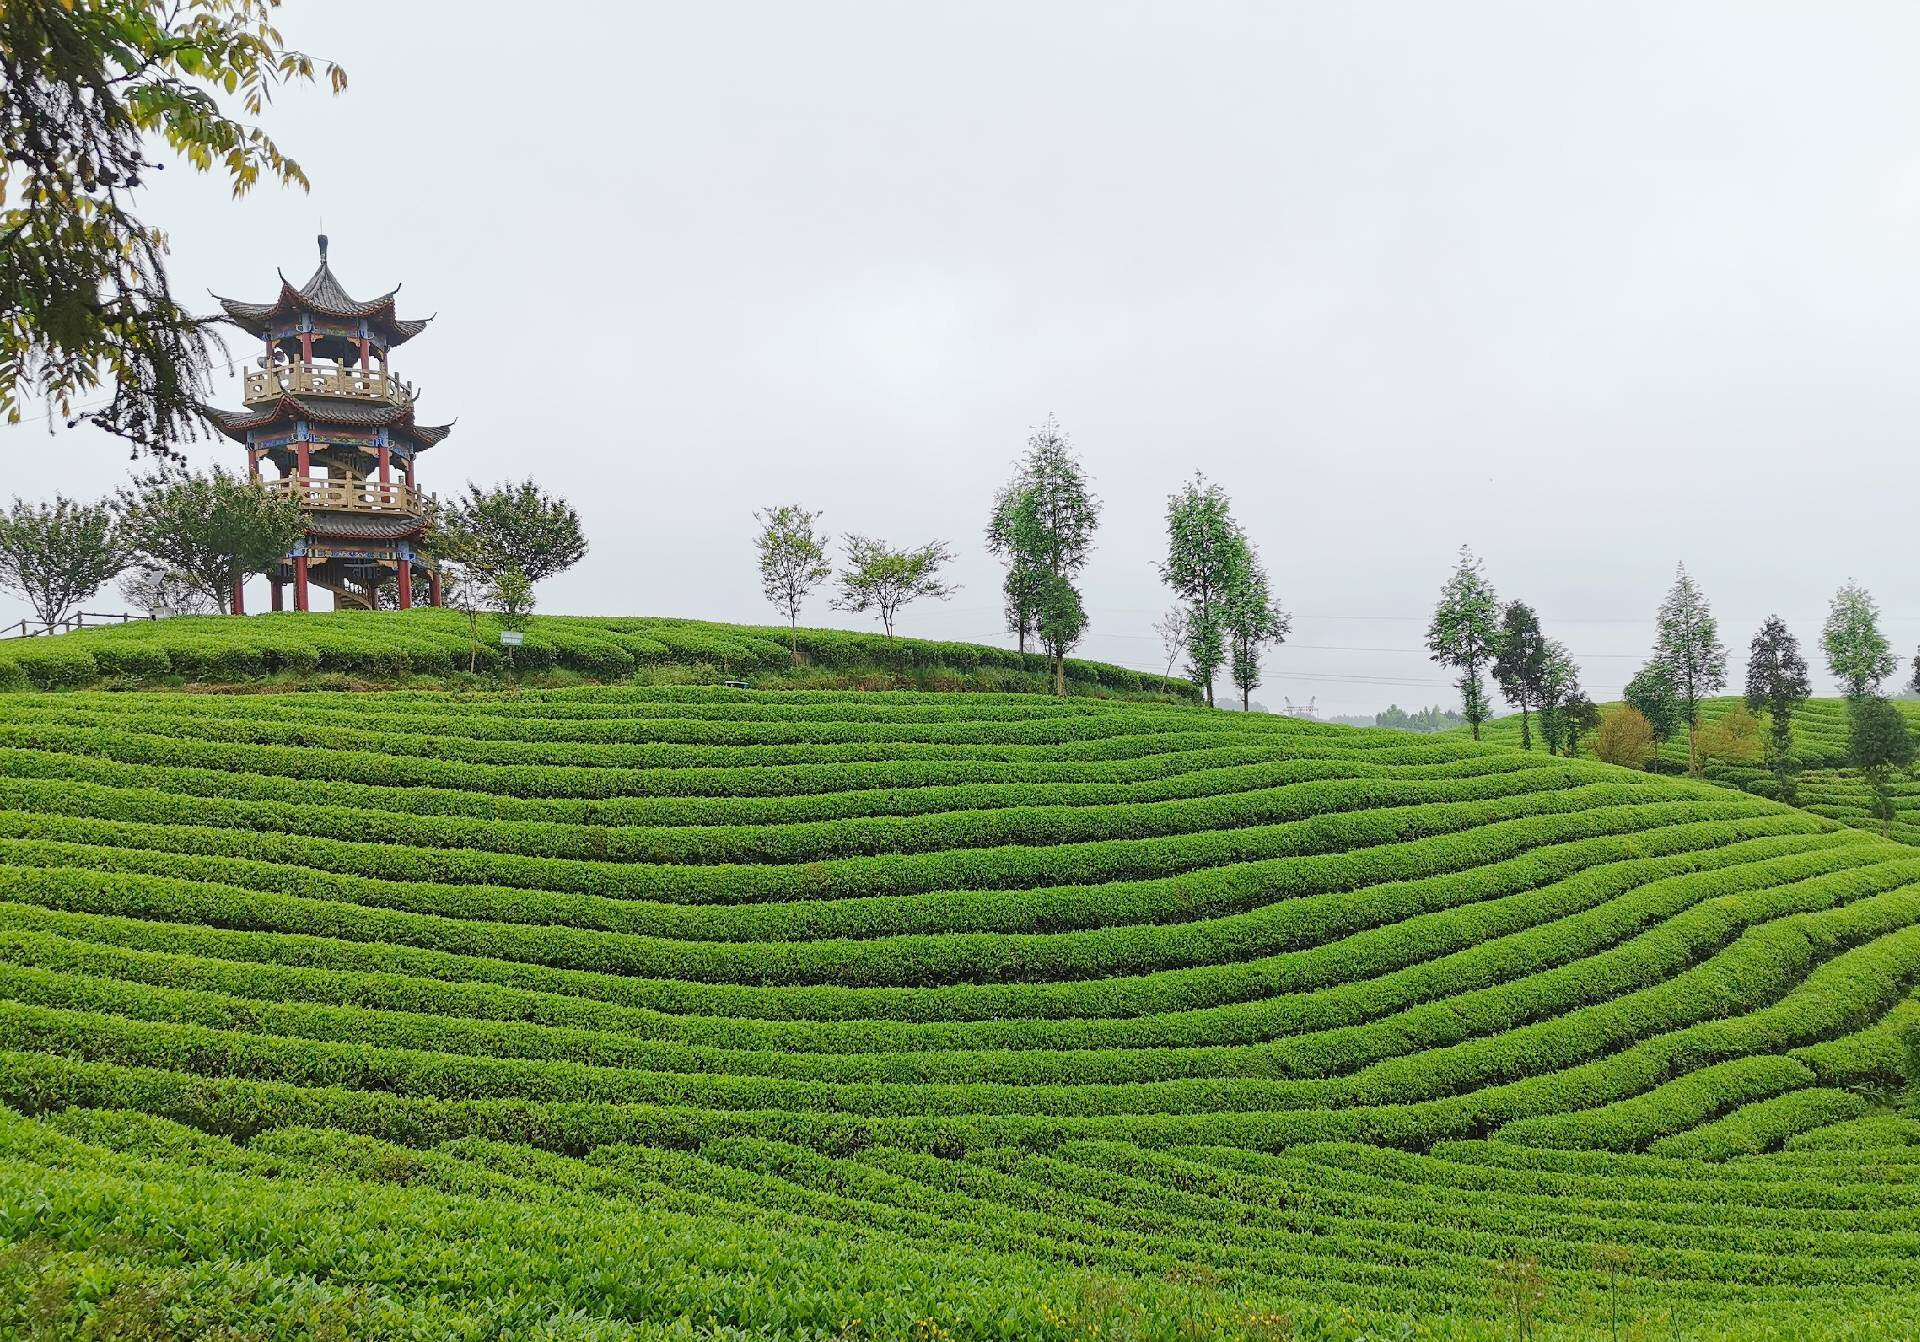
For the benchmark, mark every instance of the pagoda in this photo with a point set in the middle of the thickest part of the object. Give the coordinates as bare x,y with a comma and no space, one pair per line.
324,409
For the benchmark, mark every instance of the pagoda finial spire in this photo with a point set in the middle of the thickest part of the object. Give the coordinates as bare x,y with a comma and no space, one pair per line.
323,248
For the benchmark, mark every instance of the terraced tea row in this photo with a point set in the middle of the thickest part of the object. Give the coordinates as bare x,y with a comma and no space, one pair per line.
1002,990
441,645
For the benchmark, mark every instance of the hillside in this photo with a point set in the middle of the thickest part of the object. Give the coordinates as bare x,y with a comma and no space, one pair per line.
1826,786
671,1012
437,647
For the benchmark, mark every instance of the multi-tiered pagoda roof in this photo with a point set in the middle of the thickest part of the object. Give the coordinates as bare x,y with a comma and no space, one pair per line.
324,296
326,412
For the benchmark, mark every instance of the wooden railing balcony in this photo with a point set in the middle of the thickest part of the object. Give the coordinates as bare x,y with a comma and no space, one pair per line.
337,494
319,379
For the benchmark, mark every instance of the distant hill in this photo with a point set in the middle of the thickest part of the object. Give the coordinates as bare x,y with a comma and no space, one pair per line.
435,646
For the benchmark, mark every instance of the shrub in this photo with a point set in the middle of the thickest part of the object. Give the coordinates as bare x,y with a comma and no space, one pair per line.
1731,738
1624,737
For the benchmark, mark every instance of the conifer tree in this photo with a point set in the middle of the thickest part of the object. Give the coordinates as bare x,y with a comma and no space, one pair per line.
1689,653
1777,681
1520,667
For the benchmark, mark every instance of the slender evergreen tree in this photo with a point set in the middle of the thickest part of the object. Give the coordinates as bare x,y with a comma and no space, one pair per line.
1559,687
1520,667
1465,634
1204,546
1777,681
1689,653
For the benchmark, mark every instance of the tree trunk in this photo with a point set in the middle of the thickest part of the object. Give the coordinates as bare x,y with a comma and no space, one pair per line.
1526,728
1060,674
1246,700
793,634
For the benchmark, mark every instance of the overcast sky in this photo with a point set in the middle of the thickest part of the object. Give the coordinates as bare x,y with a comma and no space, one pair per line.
1595,288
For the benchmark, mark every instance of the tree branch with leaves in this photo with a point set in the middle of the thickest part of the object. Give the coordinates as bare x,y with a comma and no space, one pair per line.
86,88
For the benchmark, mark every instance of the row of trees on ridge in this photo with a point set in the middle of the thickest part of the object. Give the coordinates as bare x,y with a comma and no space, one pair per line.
1471,632
1041,528
180,542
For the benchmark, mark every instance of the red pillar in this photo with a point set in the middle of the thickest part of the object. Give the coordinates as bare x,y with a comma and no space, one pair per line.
300,582
409,465
406,584
278,594
386,457
240,595
433,588
363,353
306,348
303,463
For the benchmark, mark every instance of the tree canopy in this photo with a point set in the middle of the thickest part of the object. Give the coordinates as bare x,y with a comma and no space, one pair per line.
512,526
1858,654
1465,633
210,531
1520,667
883,579
1689,653
87,88
792,552
1042,528
1777,681
1650,693
1204,548
58,554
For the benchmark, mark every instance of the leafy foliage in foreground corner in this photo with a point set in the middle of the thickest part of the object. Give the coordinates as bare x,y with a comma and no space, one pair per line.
913,1015
84,89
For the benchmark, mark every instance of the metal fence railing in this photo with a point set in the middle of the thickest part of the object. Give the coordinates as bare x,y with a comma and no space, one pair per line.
78,620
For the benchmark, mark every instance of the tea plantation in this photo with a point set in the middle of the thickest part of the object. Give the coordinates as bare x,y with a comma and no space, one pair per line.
1824,786
682,1012
436,647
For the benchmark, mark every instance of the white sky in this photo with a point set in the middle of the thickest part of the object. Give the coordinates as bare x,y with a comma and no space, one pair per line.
1592,287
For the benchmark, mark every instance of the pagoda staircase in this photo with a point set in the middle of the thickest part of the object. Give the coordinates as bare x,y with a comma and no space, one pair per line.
346,595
